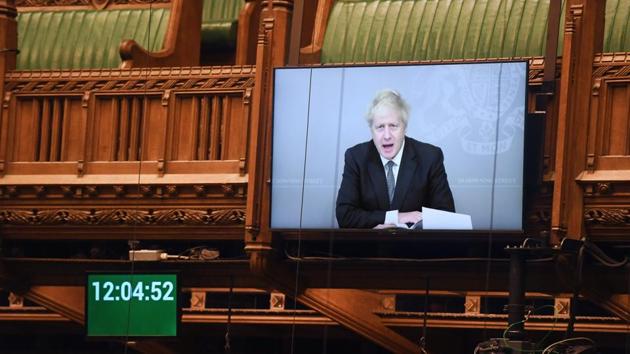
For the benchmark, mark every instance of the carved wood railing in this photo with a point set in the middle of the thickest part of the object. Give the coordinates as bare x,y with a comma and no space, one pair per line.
80,147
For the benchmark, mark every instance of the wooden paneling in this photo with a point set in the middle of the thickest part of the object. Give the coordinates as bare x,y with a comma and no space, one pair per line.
197,127
128,119
606,180
79,148
609,137
46,128
615,135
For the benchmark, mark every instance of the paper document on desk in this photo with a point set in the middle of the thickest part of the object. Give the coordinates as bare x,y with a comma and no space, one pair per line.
434,219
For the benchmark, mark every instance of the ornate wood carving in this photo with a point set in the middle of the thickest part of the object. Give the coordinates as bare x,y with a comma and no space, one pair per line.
11,193
472,304
540,217
607,216
135,80
562,307
611,65
277,301
138,216
197,300
15,300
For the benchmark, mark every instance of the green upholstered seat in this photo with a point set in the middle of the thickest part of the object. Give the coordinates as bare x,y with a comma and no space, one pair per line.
83,39
617,30
219,23
394,30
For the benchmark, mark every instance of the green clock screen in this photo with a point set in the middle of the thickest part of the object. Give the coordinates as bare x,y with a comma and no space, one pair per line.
132,305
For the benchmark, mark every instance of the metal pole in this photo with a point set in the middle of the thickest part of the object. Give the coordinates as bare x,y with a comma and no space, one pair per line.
516,305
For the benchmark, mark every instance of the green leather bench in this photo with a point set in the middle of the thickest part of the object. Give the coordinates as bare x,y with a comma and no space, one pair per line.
85,39
398,30
617,30
90,39
219,23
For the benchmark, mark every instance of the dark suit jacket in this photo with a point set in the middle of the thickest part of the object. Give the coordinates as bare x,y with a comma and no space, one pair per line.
362,199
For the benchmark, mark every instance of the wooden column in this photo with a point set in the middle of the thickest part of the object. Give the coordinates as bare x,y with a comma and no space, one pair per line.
271,52
8,37
280,11
8,52
583,37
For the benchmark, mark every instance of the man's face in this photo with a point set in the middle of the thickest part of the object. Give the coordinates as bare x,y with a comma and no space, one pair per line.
388,132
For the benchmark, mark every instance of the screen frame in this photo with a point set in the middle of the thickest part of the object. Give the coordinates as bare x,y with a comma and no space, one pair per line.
527,140
178,319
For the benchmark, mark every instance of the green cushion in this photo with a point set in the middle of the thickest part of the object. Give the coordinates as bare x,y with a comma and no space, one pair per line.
219,23
393,30
218,34
617,30
85,39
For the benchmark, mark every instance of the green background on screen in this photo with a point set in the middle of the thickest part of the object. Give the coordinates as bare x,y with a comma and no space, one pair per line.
135,317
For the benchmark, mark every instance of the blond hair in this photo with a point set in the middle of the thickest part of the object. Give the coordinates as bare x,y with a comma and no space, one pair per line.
390,99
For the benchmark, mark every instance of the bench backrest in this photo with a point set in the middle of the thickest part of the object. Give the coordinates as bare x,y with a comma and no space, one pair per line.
395,30
84,39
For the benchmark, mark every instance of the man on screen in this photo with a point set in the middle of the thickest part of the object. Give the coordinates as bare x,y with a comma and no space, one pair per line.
388,180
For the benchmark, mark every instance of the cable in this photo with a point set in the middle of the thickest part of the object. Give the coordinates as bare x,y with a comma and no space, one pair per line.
297,265
406,260
492,192
134,232
423,340
529,313
576,291
569,340
227,348
331,240
602,257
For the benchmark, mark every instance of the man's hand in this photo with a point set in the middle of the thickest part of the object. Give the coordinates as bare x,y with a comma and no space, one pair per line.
409,217
384,226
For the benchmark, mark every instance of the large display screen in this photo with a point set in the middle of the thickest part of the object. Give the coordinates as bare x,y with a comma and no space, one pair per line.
132,305
474,113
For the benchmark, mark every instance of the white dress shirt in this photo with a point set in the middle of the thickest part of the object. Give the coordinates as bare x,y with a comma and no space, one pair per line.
391,217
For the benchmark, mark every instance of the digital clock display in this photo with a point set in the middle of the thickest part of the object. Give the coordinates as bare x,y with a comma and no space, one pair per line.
140,305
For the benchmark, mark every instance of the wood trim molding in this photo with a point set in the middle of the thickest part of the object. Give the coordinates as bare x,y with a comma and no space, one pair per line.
123,216
13,194
607,216
211,78
611,65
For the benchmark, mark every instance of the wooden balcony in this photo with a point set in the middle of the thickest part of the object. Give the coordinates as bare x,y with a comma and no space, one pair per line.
87,147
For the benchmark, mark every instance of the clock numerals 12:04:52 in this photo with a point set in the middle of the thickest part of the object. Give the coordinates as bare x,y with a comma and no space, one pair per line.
126,291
